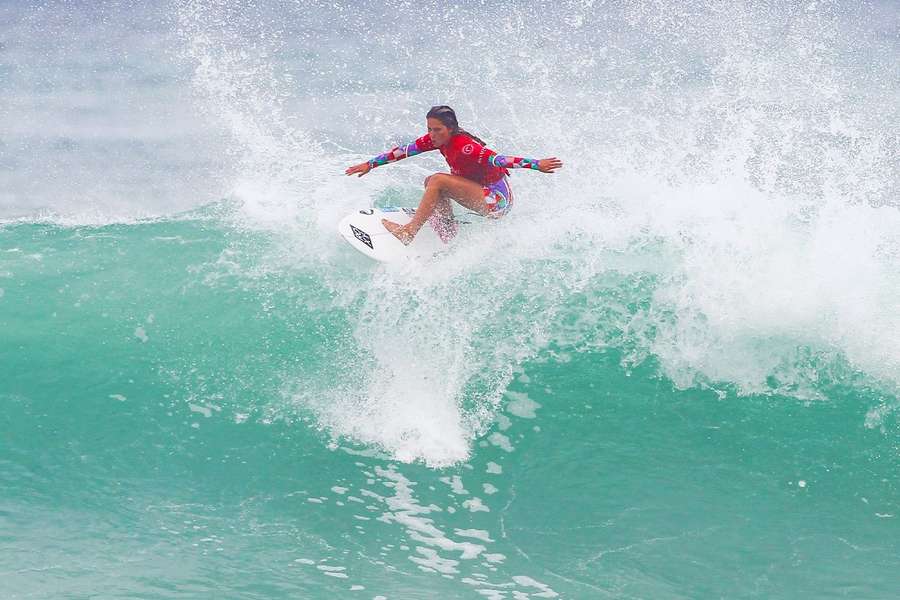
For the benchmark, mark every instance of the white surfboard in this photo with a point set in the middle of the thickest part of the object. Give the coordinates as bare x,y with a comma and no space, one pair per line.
364,231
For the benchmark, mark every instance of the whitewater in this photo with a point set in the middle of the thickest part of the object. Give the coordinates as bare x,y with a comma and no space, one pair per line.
672,371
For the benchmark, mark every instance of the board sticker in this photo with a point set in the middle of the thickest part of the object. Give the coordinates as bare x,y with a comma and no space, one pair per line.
362,236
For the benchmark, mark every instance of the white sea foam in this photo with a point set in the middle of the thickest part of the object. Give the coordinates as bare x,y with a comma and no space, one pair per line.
723,212
521,405
455,484
404,509
206,411
545,590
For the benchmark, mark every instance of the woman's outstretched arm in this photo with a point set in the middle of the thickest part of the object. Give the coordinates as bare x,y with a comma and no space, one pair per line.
545,165
423,144
484,154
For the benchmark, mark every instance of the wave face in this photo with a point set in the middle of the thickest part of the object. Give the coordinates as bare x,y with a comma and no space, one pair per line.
205,390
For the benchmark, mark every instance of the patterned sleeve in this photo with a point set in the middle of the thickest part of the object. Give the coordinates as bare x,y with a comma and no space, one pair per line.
483,154
423,144
512,162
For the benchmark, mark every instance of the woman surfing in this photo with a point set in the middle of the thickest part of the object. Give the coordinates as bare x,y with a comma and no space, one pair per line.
478,178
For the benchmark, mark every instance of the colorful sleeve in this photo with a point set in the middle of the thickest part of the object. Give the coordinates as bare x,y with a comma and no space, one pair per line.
483,154
423,144
512,162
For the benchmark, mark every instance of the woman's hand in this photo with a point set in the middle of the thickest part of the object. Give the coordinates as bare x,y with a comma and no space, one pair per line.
547,165
361,169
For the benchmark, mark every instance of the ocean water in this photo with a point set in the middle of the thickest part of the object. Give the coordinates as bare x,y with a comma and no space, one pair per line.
673,371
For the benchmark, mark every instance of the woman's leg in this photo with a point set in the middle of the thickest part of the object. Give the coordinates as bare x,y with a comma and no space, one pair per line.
443,209
439,189
442,220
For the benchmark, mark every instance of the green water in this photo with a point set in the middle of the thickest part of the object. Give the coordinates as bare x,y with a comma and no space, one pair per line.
153,446
671,371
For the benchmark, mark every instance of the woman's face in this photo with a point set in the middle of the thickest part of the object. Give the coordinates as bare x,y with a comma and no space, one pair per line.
438,132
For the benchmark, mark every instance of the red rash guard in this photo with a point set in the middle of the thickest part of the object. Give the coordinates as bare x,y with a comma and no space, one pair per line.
466,158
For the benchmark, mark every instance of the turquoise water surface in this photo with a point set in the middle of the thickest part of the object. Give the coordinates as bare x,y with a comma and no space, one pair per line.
671,372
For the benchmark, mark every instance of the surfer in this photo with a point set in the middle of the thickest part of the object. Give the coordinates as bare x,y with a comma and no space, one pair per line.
477,179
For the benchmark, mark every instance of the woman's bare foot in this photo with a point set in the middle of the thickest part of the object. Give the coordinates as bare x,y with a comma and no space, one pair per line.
401,232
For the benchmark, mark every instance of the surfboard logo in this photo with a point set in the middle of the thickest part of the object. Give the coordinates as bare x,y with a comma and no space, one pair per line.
362,236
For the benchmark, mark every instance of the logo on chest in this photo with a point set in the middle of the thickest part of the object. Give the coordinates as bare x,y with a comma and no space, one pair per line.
468,149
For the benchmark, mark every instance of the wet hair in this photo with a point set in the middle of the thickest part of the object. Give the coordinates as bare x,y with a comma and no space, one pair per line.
447,116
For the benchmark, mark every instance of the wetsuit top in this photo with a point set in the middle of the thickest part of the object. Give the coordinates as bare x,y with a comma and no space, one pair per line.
465,156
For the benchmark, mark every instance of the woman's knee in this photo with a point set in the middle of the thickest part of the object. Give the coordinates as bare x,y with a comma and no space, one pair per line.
436,180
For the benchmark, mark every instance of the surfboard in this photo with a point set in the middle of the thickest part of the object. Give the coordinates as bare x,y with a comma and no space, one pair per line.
364,231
